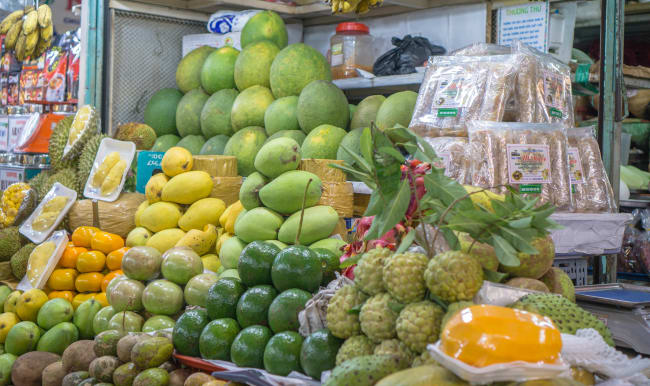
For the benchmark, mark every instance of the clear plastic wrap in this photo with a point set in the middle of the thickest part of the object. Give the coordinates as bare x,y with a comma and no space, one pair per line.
532,156
43,260
594,192
482,49
123,153
460,89
548,82
452,152
49,213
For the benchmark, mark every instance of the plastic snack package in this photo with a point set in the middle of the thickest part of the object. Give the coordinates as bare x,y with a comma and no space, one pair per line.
593,192
43,260
452,152
49,214
531,156
460,89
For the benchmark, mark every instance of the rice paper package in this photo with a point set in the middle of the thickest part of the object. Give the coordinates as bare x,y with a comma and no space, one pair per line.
532,157
452,152
591,187
460,89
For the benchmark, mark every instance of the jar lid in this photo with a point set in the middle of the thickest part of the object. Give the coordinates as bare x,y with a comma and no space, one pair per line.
352,27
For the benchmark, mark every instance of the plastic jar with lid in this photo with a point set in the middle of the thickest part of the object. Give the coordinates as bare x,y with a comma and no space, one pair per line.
351,48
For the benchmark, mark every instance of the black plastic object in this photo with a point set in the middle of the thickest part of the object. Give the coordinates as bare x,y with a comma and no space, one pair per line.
409,52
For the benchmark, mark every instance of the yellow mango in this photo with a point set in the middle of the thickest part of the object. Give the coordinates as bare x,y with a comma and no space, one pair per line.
186,188
139,211
160,216
7,320
177,160
222,239
203,212
228,217
201,242
210,262
483,335
154,187
165,239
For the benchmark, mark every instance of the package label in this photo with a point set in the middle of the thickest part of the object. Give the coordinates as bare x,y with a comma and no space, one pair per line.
448,100
527,23
553,93
575,166
528,164
11,176
4,133
15,127
337,54
148,165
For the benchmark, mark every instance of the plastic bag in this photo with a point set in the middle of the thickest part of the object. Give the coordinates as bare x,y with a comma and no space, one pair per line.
591,187
531,156
452,152
482,49
460,89
409,52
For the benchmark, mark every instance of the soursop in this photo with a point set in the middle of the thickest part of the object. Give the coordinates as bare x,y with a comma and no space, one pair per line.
454,276
378,317
342,323
394,347
451,311
356,346
534,266
366,370
368,273
418,324
567,316
19,260
424,359
404,276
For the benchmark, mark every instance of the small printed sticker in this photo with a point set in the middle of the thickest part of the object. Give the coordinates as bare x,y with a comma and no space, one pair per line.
447,112
575,166
528,164
552,111
531,188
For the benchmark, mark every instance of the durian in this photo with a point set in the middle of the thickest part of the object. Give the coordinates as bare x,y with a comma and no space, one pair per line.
19,260
39,182
10,242
57,143
66,177
84,126
86,160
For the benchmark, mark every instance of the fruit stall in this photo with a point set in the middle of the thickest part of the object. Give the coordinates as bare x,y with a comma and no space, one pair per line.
259,205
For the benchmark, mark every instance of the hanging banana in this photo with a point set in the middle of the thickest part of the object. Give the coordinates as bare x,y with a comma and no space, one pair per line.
348,6
28,31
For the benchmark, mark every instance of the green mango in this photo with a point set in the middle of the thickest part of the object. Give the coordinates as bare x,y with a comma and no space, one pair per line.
285,194
101,319
258,224
278,156
318,223
83,318
58,338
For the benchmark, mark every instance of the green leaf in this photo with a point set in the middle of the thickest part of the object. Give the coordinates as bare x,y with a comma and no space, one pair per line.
518,238
358,159
500,208
375,205
400,134
396,307
365,144
521,223
392,213
364,177
447,190
438,301
350,261
426,148
391,151
451,238
355,310
493,276
504,251
406,242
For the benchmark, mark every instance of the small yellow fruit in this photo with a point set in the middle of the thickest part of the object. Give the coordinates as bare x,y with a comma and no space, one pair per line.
153,189
201,242
12,300
211,262
29,303
139,211
177,160
228,217
7,320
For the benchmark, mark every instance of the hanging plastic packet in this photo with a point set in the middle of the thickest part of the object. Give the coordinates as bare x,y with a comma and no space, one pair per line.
72,75
29,131
49,213
109,171
223,22
42,261
452,154
533,157
460,89
591,187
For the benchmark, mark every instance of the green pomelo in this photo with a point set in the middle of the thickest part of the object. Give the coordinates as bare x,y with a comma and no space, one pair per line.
187,331
285,194
218,70
196,290
126,321
223,297
244,145
160,112
329,262
158,322
296,135
366,111
255,263
230,251
283,312
253,306
353,109
53,312
258,224
215,116
318,223
282,353
318,352
58,338
250,189
180,264
217,337
188,72
188,112
254,63
282,115
23,337
249,107
193,143
295,67
215,145
351,141
247,349
323,142
396,109
278,156
162,297
266,25
166,142
321,103
101,319
297,267
331,244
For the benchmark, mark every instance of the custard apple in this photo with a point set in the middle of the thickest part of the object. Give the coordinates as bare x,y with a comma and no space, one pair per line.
395,347
356,346
368,272
454,276
424,359
378,318
342,323
534,266
451,311
404,276
419,324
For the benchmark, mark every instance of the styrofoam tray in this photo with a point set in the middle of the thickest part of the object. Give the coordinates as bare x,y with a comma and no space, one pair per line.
107,146
514,371
60,238
38,237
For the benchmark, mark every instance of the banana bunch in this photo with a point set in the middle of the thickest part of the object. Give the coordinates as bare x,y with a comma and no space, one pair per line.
357,6
28,32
